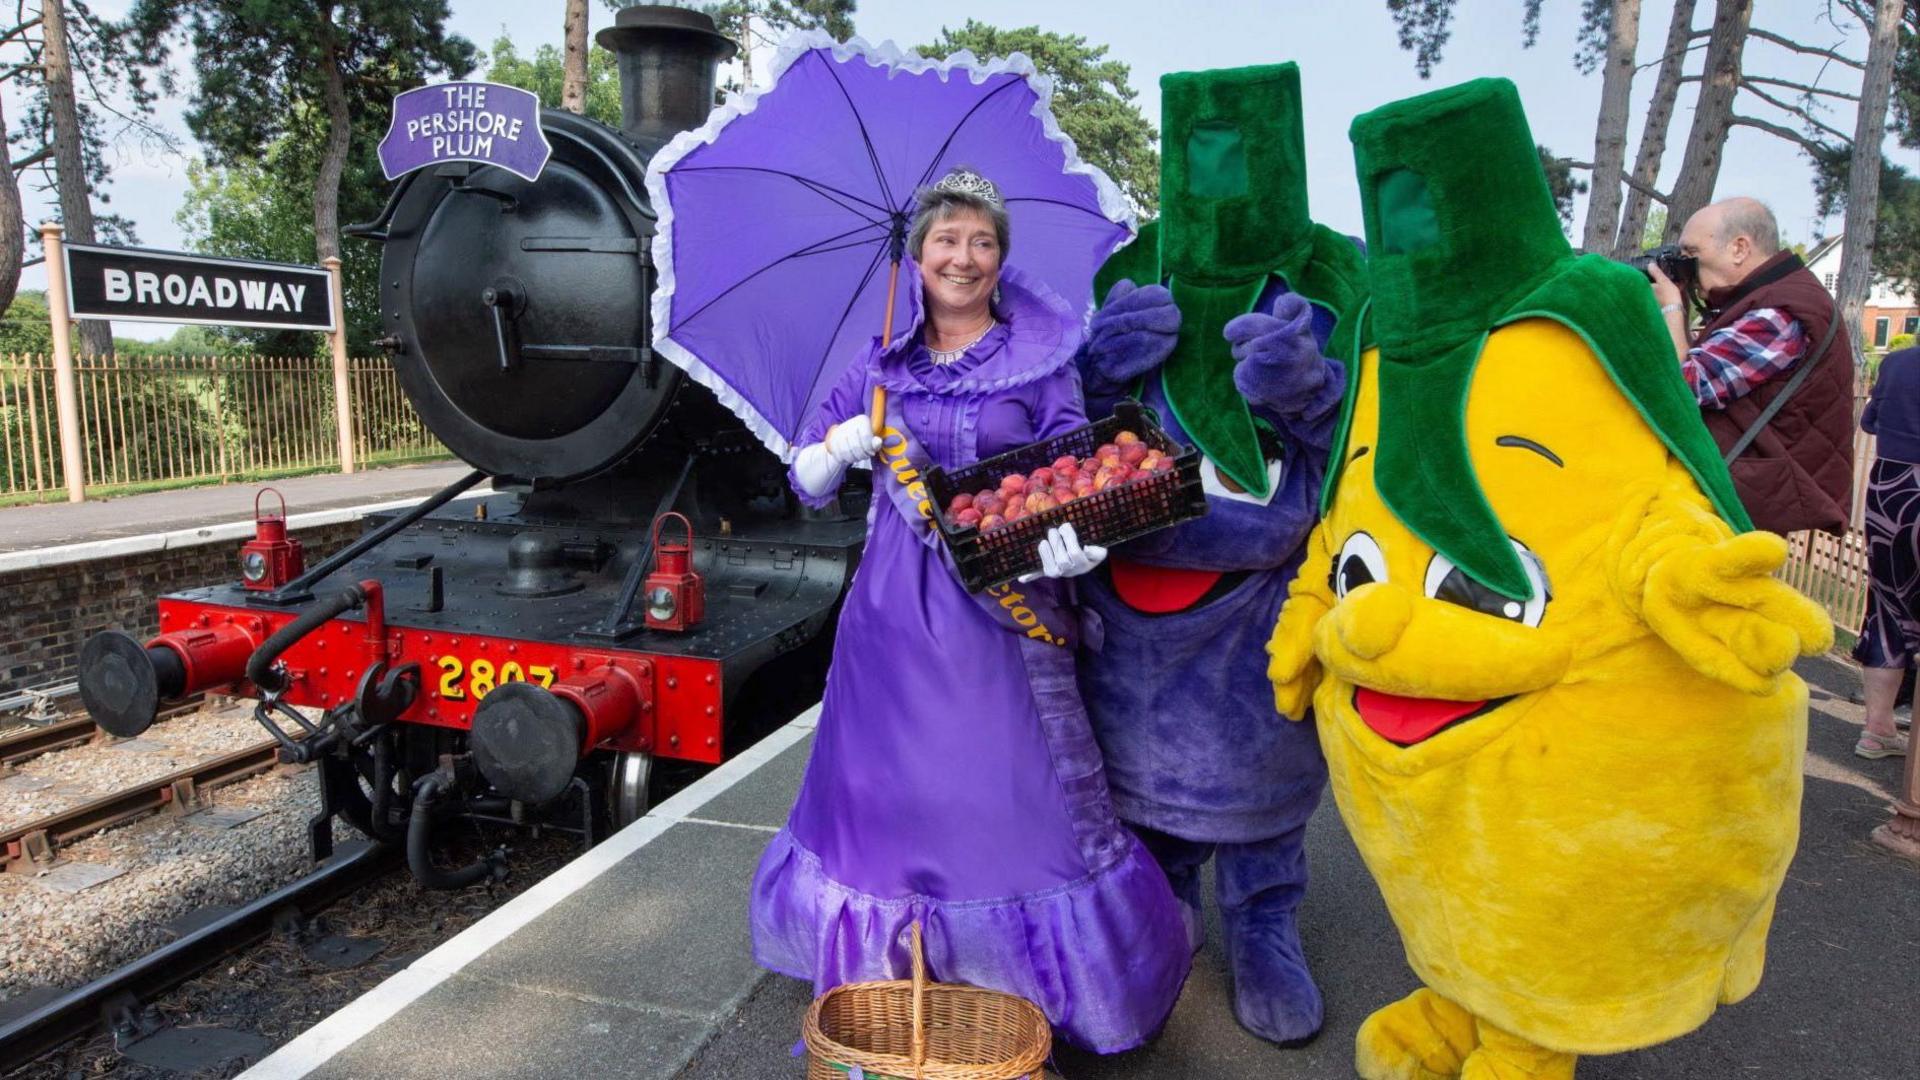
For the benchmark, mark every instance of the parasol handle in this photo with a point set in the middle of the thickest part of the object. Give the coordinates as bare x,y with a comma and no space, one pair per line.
919,1046
879,416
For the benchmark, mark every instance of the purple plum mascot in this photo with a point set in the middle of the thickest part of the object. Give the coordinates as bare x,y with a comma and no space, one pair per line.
1218,318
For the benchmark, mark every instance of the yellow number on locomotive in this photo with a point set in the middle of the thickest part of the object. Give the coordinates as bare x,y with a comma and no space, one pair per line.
458,679
482,681
451,669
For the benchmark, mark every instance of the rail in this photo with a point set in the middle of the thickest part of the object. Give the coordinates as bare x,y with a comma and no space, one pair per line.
79,1011
35,842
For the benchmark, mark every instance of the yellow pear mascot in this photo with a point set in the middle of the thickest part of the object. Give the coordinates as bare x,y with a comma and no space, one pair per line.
1550,662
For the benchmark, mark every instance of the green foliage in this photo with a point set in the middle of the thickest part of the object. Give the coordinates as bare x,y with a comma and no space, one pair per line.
1560,181
1896,227
26,329
1899,341
544,75
1092,99
260,68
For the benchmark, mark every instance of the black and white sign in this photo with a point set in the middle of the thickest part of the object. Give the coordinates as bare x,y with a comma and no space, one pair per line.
167,286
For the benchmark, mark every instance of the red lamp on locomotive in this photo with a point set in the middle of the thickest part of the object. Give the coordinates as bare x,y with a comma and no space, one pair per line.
676,597
271,558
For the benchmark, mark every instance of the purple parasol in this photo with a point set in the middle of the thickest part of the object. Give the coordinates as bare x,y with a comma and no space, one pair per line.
780,217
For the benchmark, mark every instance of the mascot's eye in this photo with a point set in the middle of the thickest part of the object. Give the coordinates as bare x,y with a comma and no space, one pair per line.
1448,582
1360,561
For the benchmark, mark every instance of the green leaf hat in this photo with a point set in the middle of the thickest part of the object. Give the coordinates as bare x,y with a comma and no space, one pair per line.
1233,204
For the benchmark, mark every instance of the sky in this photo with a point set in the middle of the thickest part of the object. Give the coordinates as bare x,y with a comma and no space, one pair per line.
1349,59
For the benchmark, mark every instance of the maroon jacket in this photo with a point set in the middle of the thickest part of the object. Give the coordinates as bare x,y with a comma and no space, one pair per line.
1799,473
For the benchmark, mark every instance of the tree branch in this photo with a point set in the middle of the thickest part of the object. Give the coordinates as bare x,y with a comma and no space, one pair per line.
32,159
1802,87
1648,190
1792,136
8,35
1809,50
1796,111
1658,60
16,71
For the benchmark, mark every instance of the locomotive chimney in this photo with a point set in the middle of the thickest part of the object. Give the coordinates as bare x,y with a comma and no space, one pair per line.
669,58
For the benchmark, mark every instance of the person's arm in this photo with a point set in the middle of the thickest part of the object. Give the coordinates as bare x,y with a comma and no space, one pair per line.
1733,360
822,459
1673,309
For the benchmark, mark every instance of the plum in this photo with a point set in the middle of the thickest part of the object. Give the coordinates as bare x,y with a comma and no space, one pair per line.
1160,464
1133,453
968,516
1106,452
1125,438
1016,504
990,502
1040,502
1041,477
959,502
1013,483
991,521
1065,461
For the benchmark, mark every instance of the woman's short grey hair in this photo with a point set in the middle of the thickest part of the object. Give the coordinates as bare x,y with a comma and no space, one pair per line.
933,205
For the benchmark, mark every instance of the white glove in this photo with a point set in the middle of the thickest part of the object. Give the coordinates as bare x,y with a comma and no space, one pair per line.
852,440
816,470
1061,555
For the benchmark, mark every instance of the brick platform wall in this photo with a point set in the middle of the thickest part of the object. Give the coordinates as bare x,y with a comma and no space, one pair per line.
46,613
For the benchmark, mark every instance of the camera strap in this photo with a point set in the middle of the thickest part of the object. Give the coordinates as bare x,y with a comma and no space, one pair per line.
1793,385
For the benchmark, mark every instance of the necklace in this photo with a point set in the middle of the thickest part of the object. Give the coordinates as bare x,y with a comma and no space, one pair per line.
943,357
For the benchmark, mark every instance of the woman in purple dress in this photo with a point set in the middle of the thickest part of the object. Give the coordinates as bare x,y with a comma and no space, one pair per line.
954,778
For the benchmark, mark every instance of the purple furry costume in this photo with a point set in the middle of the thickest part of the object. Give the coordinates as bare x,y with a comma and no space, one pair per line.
1199,762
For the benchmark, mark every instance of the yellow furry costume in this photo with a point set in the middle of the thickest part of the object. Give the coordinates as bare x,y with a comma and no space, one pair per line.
1571,756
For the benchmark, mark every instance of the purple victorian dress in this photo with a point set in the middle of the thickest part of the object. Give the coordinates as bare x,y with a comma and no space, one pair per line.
955,779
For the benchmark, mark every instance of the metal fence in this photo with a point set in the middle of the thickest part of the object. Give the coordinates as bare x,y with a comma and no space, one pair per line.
160,421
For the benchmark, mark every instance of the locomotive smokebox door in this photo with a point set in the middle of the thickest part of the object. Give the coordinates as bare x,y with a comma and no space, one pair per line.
271,558
676,597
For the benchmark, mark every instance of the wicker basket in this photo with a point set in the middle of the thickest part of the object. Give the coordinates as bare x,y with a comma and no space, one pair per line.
912,1029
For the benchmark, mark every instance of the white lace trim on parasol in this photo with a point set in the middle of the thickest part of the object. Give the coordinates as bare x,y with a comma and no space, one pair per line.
1114,205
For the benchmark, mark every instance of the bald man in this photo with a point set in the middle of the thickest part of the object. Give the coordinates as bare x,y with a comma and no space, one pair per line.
1765,316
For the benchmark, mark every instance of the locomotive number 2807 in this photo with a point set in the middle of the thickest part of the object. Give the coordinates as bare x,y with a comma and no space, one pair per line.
461,679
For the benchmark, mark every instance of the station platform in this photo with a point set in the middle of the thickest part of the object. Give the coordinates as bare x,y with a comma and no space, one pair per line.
99,528
634,961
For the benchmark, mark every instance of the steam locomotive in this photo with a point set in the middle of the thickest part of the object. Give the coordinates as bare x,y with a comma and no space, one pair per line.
640,589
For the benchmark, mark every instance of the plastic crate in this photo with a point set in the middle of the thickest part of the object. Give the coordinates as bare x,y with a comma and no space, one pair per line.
1112,516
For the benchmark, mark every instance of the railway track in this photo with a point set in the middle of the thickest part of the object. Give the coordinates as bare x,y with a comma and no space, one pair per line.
32,740
115,1000
35,845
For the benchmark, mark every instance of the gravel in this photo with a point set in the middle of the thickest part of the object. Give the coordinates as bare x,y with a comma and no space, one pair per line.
172,867
74,776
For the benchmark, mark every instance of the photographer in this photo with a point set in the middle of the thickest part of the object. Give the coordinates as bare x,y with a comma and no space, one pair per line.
1771,365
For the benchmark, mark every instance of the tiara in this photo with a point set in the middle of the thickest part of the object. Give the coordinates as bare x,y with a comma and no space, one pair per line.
967,182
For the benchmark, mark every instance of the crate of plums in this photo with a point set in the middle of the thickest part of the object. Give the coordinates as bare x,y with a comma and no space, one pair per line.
1114,479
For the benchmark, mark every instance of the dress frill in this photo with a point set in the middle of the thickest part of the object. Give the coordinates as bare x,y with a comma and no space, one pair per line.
1083,952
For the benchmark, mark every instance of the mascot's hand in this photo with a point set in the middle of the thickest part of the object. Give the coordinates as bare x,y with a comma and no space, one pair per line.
1712,597
1132,334
1277,362
1292,667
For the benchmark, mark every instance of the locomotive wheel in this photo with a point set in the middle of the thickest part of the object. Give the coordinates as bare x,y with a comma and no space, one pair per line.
629,788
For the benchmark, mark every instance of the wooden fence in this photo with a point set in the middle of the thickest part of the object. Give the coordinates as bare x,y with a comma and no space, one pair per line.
166,421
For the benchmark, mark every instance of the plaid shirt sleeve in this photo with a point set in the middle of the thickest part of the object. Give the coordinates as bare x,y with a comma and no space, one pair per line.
1734,359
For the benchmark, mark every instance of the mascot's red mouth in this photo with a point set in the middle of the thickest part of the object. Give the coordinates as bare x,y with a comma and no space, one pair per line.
1404,721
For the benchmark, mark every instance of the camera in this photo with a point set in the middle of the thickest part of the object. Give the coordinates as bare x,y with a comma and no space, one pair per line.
1678,266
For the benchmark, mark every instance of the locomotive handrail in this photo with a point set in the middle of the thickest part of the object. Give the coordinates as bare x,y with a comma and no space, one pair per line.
295,591
376,229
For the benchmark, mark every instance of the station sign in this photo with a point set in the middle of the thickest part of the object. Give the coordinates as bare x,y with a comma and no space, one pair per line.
143,285
480,122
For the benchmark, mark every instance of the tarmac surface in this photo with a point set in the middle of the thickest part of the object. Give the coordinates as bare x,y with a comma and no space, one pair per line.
634,962
44,525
